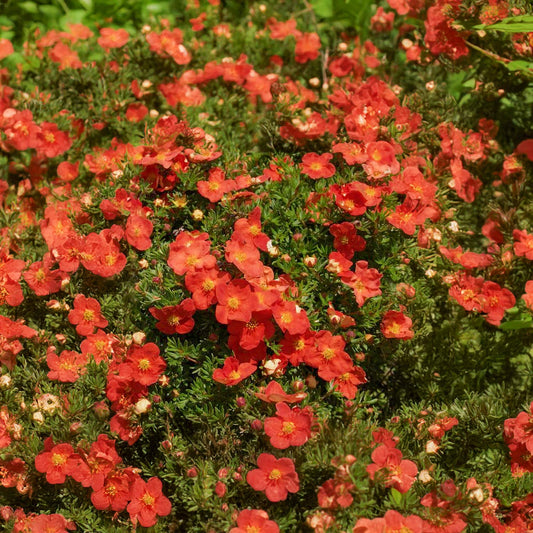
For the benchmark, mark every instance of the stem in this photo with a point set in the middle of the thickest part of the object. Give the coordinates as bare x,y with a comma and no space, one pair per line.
64,6
488,54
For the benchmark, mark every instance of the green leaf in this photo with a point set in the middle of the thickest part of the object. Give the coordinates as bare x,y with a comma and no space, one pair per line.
75,16
523,323
156,8
87,4
323,8
396,497
50,12
519,65
520,24
30,7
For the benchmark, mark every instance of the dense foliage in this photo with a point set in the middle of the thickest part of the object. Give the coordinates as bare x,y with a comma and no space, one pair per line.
268,272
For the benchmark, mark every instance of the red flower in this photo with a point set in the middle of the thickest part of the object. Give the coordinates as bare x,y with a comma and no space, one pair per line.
216,185
57,462
148,502
245,256
136,112
125,428
175,318
143,364
353,153
381,160
6,48
203,283
50,523
112,38
68,171
190,252
254,521
138,231
335,493
236,301
67,367
317,166
65,56
346,241
277,477
398,473
348,382
41,280
249,230
290,427
114,494
290,317
233,372
495,301
86,315
250,334
307,47
101,459
102,255
528,295
392,521
395,325
365,282
523,245
329,357
51,141
273,393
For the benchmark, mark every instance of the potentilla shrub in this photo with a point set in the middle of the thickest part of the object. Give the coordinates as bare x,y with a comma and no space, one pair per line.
263,276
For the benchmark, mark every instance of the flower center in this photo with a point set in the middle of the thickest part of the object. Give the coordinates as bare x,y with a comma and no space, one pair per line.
288,427
144,364
275,474
58,459
233,303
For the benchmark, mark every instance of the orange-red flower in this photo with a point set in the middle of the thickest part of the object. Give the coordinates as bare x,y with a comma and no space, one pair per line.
190,252
365,282
391,521
396,325
236,301
143,364
307,47
216,185
57,462
86,315
317,166
397,472
254,521
277,477
6,48
67,367
114,494
523,245
138,231
290,317
245,256
233,371
175,318
346,241
273,393
112,38
290,427
148,502
203,283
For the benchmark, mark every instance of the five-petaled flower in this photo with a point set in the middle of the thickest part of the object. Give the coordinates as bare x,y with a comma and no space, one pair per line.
277,477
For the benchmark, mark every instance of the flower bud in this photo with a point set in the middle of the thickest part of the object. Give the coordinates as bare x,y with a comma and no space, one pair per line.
310,261
139,337
142,406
